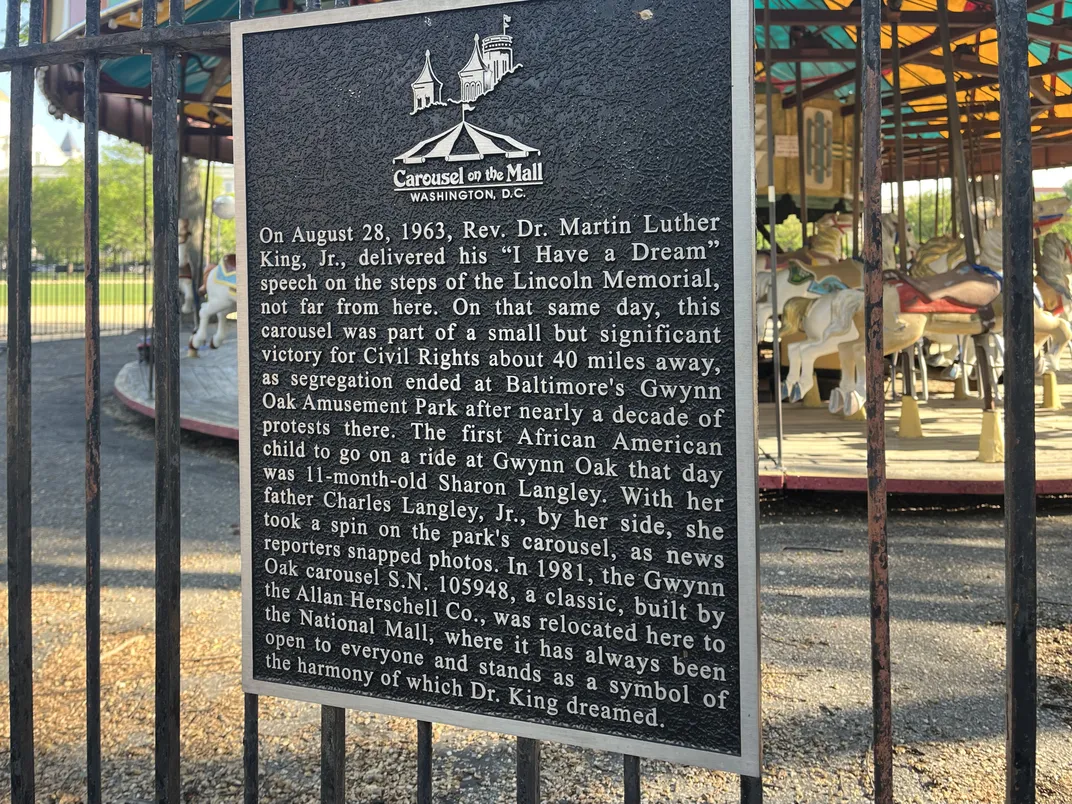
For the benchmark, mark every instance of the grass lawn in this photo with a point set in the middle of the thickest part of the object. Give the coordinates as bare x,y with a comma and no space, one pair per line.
68,290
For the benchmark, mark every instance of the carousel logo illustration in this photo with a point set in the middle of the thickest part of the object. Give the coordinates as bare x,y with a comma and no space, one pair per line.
492,61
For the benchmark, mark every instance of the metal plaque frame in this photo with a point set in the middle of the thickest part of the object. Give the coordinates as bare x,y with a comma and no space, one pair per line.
743,166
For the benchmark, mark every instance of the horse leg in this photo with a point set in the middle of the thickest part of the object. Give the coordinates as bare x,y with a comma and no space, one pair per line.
208,309
221,328
764,312
792,377
186,288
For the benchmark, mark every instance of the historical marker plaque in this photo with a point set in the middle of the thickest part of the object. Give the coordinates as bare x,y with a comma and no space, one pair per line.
497,368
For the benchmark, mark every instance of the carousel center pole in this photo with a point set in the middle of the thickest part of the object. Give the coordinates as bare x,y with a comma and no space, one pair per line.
801,162
772,222
960,181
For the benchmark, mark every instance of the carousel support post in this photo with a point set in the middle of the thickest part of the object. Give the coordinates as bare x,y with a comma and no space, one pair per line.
898,136
989,446
802,157
773,214
856,157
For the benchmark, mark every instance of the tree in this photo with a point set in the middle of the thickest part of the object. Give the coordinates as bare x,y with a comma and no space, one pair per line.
126,199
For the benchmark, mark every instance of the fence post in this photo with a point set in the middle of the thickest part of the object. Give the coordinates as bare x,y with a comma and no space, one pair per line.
631,774
1020,558
424,762
165,81
528,771
250,749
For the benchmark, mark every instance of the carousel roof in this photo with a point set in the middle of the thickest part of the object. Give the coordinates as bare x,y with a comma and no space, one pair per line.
818,35
821,37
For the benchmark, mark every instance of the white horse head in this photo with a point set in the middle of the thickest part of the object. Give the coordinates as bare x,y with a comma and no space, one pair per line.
829,232
1056,263
1049,212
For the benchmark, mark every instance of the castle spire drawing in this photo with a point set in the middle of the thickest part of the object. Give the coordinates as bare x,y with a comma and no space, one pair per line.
427,89
491,60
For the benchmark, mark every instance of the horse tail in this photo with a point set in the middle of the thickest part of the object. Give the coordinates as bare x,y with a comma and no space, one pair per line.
792,318
844,306
763,283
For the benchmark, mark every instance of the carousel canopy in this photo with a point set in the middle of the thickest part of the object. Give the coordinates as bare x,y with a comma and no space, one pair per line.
820,38
205,79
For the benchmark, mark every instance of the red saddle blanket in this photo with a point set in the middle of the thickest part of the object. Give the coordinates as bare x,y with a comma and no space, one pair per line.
912,301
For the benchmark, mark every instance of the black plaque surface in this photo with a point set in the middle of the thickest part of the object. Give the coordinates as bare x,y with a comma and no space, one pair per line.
497,368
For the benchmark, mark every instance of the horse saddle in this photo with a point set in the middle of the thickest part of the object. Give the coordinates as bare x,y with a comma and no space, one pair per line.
226,273
965,290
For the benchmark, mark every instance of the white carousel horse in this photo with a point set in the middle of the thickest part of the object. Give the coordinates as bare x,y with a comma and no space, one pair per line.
220,286
824,246
812,281
1053,270
186,276
958,303
937,254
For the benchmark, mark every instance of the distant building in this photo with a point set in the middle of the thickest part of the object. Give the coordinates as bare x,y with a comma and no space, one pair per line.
47,157
427,89
70,148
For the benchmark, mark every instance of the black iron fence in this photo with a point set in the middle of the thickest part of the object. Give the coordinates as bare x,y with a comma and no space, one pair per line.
95,282
58,294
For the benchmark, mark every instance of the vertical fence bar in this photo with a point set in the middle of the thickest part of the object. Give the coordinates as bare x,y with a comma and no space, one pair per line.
751,790
19,494
528,771
251,740
424,762
332,755
1020,560
871,108
250,757
631,774
165,91
91,262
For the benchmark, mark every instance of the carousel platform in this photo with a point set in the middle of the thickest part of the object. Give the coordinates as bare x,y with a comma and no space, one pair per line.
208,391
822,452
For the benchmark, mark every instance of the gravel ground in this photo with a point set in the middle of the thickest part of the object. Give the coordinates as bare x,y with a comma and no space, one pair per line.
946,579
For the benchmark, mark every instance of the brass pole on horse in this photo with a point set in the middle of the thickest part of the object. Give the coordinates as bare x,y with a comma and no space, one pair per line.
960,181
972,157
772,223
919,199
801,157
937,191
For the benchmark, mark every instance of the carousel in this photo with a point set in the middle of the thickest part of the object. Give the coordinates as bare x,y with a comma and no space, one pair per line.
942,297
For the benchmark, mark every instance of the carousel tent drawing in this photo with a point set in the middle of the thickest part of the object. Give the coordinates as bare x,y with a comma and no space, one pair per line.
465,143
